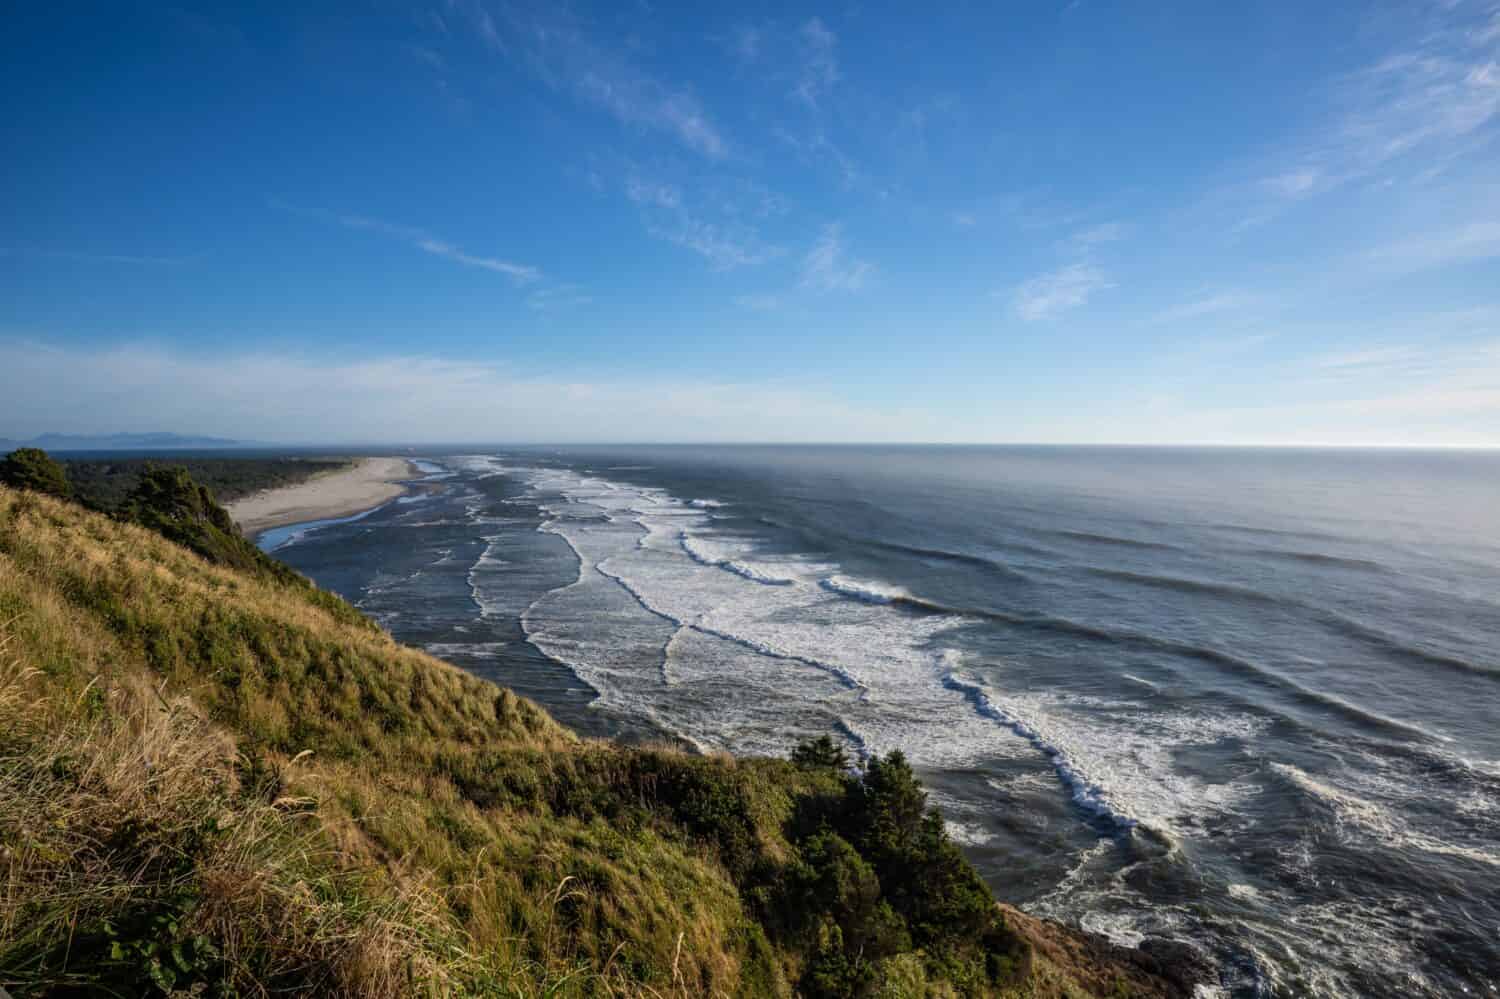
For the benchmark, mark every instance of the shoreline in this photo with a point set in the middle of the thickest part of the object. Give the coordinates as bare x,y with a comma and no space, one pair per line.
370,483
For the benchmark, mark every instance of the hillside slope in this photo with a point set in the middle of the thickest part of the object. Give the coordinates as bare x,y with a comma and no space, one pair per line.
218,779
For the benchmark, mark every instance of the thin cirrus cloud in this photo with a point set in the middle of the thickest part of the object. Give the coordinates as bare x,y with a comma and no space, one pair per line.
1432,100
1476,240
1208,305
819,69
725,245
557,47
1049,295
829,266
427,243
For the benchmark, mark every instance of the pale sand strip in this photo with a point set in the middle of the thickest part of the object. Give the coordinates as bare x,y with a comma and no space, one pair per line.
371,482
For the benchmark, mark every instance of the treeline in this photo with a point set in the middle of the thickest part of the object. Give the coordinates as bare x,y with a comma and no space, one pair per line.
104,483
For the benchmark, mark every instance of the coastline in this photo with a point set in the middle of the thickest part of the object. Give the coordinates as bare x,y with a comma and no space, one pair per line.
371,482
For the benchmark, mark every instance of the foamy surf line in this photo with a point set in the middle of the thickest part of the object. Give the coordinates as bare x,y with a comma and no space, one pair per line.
1377,820
1088,796
750,572
843,676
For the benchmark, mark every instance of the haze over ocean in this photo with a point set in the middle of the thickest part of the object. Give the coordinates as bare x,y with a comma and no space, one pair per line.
1244,696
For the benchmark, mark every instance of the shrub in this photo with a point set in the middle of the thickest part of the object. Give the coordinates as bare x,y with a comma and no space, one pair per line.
877,866
32,468
821,753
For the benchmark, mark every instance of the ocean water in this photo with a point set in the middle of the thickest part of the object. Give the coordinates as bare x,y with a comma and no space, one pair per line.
1244,698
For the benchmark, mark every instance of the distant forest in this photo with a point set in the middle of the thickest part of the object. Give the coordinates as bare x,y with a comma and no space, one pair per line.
103,483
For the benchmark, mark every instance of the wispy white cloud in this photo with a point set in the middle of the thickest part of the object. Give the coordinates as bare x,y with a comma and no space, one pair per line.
819,69
479,19
644,192
1477,240
638,100
1433,98
1294,183
667,215
829,267
427,243
1047,296
560,49
279,397
722,248
1422,96
555,298
816,147
1208,305
1365,358
520,273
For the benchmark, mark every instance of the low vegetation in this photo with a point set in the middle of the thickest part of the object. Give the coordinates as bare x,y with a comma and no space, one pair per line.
32,468
105,483
216,779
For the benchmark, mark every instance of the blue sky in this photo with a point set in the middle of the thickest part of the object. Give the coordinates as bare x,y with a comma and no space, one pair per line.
468,220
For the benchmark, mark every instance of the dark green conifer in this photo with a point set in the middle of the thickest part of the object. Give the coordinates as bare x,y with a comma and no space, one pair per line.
34,469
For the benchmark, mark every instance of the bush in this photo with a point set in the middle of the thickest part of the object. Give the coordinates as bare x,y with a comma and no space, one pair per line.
877,877
32,468
821,753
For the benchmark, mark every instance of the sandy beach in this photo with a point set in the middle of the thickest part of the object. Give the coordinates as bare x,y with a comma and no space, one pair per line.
371,482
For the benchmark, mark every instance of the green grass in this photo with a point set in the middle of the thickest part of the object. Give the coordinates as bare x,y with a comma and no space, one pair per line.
225,779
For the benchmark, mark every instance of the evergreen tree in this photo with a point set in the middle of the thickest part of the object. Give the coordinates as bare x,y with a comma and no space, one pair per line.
34,469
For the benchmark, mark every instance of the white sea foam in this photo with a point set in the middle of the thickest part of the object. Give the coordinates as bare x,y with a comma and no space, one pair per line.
968,833
1087,795
1114,757
1378,820
859,589
706,553
446,649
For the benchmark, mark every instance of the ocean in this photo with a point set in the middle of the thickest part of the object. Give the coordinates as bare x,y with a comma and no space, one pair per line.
1246,698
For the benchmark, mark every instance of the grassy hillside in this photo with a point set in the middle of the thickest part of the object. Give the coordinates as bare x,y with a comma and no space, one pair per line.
221,781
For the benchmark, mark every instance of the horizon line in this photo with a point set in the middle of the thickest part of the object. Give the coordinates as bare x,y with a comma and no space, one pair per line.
412,444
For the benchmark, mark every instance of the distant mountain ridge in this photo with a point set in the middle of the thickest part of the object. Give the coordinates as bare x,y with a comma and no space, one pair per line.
119,442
